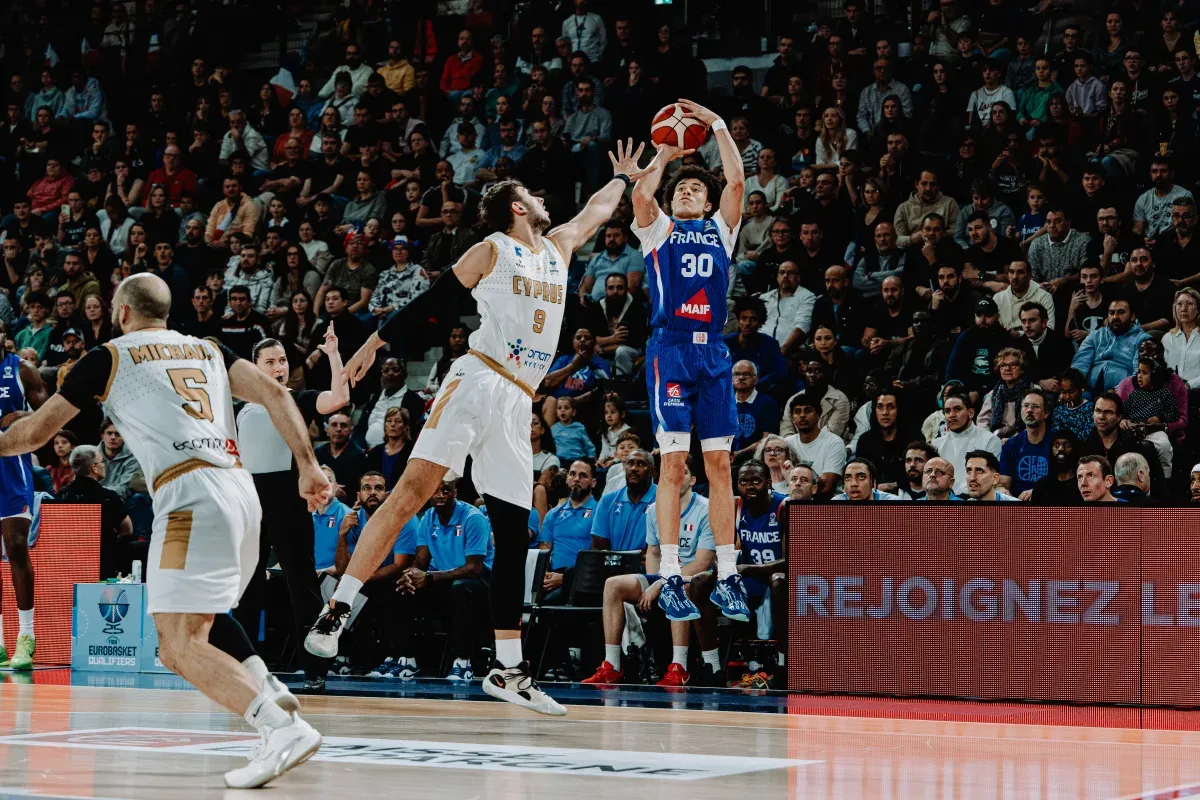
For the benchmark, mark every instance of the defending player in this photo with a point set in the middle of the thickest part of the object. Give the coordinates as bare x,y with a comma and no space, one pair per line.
689,371
20,388
171,397
518,278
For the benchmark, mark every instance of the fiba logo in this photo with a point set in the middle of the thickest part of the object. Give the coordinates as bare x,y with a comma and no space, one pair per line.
114,606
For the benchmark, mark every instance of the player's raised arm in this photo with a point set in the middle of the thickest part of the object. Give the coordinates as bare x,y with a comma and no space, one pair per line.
248,382
474,264
645,206
731,162
338,394
600,207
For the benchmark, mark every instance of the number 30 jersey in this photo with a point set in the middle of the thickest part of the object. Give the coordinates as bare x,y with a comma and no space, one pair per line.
689,263
169,396
521,302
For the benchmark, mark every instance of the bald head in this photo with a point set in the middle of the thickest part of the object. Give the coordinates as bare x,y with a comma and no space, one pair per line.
141,301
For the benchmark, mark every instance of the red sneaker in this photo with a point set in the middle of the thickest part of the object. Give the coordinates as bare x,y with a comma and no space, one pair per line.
676,676
605,673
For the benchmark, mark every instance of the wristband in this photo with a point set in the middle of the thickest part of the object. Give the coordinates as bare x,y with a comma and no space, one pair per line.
623,178
719,125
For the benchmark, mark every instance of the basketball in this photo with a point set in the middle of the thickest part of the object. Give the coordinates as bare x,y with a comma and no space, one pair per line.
671,127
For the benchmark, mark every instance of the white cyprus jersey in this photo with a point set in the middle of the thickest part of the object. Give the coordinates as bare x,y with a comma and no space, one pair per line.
169,396
521,302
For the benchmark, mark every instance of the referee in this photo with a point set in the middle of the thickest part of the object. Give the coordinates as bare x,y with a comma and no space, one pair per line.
287,524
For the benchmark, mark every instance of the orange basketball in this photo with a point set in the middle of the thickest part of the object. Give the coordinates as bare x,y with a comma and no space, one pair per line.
671,127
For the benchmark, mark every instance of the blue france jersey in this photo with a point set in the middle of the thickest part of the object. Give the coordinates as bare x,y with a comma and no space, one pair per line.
695,532
762,537
16,472
689,263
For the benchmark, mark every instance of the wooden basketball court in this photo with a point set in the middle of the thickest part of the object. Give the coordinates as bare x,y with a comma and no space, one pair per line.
59,740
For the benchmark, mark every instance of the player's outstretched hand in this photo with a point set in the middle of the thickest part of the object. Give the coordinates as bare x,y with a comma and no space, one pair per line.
697,111
360,363
315,487
625,160
669,152
330,345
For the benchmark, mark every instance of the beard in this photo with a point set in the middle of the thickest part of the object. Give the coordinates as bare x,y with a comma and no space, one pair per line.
539,220
579,493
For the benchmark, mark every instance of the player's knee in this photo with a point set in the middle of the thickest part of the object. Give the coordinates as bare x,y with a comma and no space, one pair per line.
671,471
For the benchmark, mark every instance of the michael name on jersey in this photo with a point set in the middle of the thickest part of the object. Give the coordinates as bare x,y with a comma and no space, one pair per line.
550,292
169,352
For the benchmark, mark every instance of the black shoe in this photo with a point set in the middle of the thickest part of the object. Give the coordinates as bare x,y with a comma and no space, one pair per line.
314,686
707,675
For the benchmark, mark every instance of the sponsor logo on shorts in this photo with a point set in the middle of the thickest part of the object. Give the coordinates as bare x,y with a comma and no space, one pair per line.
673,390
208,443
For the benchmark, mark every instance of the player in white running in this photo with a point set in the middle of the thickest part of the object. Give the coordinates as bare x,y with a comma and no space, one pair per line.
518,277
171,396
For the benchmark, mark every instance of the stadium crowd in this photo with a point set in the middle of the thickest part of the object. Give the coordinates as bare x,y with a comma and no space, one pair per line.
963,271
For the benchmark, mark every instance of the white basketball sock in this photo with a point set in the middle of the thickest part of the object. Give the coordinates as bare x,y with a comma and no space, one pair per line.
726,561
612,654
25,622
508,652
712,657
669,564
257,669
2,647
347,589
263,713
679,655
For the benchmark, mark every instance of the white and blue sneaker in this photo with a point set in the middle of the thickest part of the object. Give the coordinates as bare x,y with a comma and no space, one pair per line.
406,668
461,671
730,597
674,601
384,670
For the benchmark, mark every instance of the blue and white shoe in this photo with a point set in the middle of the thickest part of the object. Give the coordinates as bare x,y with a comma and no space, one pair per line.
674,601
461,671
730,597
406,669
384,670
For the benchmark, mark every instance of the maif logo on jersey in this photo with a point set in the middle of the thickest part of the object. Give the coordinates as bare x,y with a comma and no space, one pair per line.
696,307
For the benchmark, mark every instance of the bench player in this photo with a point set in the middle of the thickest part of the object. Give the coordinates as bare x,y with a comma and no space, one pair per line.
518,277
171,397
690,373
20,388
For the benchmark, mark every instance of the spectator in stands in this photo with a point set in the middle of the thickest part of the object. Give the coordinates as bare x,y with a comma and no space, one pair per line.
1051,352
341,454
393,393
585,31
237,213
871,266
1108,355
983,477
1021,290
757,412
88,468
122,473
448,245
390,456
588,132
1151,295
174,176
354,68
461,70
244,326
1095,478
938,478
887,323
1001,410
243,138
926,199
954,303
811,257
962,435
883,443
789,309
916,456
1058,486
1132,476
1152,211
619,322
1111,439
753,346
840,309
815,445
1180,356
977,349
617,257
1025,458
620,519
1057,257
858,479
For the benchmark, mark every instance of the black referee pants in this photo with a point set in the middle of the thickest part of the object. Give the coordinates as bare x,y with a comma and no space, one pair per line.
288,528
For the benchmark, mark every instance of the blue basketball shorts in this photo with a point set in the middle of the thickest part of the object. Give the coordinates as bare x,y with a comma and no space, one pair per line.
690,386
16,487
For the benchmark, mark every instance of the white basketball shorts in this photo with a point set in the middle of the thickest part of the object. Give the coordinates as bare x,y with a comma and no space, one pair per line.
481,413
205,542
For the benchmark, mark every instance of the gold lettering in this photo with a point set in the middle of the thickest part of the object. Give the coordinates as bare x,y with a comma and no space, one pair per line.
140,354
537,289
164,352
528,284
516,284
176,352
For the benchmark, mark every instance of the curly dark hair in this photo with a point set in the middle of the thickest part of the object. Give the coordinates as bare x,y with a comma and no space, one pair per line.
711,184
496,206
